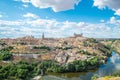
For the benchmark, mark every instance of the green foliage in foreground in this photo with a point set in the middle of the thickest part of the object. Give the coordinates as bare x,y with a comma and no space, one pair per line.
75,66
94,77
5,53
116,73
18,71
5,56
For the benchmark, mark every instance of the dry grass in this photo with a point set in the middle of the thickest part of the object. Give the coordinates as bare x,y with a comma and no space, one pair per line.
109,78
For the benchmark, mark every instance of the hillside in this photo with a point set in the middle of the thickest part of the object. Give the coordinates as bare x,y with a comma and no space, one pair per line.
114,44
62,50
59,55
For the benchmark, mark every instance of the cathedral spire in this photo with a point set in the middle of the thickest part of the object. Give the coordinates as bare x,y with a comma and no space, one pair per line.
43,36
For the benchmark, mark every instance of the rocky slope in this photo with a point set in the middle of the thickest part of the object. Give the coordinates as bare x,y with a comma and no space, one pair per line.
62,50
116,45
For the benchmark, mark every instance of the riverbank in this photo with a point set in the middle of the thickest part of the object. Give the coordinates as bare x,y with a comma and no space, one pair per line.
108,68
39,77
75,66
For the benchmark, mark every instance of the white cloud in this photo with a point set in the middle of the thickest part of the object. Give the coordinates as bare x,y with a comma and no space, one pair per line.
30,15
117,12
99,3
25,1
111,4
25,5
10,23
114,21
53,28
56,5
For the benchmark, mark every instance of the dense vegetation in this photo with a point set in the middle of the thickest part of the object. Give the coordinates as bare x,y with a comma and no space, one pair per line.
5,53
75,66
21,43
2,43
116,73
18,71
42,47
64,48
84,52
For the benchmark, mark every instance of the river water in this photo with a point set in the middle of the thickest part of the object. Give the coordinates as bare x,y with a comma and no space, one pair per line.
112,65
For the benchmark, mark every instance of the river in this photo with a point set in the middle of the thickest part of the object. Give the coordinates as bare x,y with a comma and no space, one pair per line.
111,65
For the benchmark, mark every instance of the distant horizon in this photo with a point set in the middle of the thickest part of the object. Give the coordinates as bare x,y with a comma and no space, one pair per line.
59,37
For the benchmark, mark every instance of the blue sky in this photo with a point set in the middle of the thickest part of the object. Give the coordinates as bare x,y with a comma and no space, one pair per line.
60,18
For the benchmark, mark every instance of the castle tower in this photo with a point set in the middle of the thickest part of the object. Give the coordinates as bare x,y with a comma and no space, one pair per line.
78,35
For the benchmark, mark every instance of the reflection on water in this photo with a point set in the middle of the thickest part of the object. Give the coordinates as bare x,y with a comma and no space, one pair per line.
112,64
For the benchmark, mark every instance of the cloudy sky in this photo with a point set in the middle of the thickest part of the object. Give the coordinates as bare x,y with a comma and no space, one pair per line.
60,18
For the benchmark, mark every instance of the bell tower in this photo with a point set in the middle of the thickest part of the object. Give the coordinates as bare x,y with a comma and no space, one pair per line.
43,36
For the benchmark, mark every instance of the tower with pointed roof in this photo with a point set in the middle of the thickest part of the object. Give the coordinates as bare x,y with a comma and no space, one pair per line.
43,36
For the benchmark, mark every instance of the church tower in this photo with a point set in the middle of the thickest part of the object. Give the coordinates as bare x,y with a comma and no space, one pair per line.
43,36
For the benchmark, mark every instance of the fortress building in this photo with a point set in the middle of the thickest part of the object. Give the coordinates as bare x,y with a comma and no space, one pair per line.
78,35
